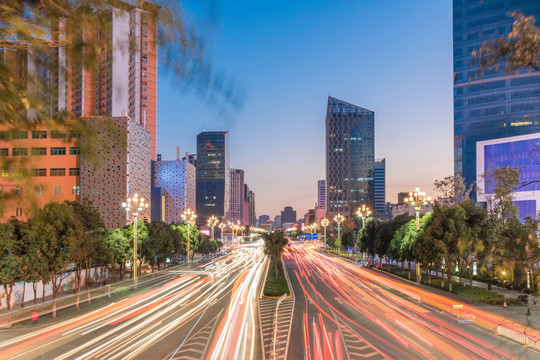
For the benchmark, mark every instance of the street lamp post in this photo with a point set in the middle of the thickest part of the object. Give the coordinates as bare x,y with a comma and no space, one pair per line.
363,211
135,205
188,216
212,221
324,224
339,219
222,226
417,199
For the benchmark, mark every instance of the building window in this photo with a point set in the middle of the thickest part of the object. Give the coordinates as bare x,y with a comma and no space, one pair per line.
39,172
20,151
74,172
18,212
144,19
4,173
18,190
38,190
57,190
58,172
74,135
39,151
39,134
145,45
73,151
144,32
58,151
144,58
76,190
4,152
20,135
57,134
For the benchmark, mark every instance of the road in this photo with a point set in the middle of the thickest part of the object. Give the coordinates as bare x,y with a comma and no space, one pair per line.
208,312
345,311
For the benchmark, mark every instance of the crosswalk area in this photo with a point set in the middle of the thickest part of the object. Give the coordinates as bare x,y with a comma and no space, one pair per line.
196,345
355,348
267,308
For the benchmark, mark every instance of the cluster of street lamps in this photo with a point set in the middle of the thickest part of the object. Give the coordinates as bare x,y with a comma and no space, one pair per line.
135,205
189,217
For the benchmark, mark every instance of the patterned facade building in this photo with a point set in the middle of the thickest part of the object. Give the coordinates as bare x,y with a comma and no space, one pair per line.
494,104
121,168
176,178
350,158
213,176
236,202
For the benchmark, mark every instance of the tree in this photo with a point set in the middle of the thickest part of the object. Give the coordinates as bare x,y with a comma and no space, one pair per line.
118,246
56,229
385,235
142,235
159,245
472,245
274,243
368,235
452,189
10,262
520,49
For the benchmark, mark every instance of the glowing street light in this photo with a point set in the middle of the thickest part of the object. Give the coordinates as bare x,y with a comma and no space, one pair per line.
222,226
211,222
339,219
363,212
188,216
417,199
324,223
135,205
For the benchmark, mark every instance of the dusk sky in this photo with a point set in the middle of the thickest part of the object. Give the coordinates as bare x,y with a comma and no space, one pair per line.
287,57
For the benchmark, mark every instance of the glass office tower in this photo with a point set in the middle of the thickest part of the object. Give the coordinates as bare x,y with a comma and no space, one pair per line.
350,157
495,104
213,176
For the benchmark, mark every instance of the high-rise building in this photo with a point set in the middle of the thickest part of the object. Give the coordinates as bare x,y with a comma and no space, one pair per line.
236,202
249,216
288,215
380,186
177,180
263,219
350,149
321,194
495,104
277,222
213,175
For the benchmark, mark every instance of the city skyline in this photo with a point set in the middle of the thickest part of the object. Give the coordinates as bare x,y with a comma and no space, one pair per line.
291,60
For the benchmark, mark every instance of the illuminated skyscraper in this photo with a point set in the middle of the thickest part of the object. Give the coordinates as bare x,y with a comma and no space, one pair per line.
350,148
496,104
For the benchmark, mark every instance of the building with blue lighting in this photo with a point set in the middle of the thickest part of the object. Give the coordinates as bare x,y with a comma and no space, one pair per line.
521,152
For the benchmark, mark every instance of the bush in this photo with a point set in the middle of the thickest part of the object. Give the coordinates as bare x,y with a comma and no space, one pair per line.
276,286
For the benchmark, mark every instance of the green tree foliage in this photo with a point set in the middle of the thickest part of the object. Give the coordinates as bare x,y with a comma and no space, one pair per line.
56,231
452,190
274,243
194,240
159,245
348,239
520,49
9,261
118,248
368,235
405,239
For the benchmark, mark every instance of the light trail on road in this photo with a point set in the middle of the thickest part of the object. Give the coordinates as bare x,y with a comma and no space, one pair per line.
137,325
345,303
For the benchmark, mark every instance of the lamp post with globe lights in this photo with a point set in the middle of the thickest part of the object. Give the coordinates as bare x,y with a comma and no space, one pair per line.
417,199
339,219
363,212
324,223
212,222
188,216
222,226
135,205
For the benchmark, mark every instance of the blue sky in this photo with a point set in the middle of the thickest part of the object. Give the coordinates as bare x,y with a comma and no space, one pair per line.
287,57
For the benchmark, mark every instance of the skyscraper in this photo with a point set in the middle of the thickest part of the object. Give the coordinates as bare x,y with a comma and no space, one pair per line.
496,104
350,149
213,175
288,216
380,186
321,194
236,202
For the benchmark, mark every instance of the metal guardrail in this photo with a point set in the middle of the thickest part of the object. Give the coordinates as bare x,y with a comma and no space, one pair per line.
519,337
